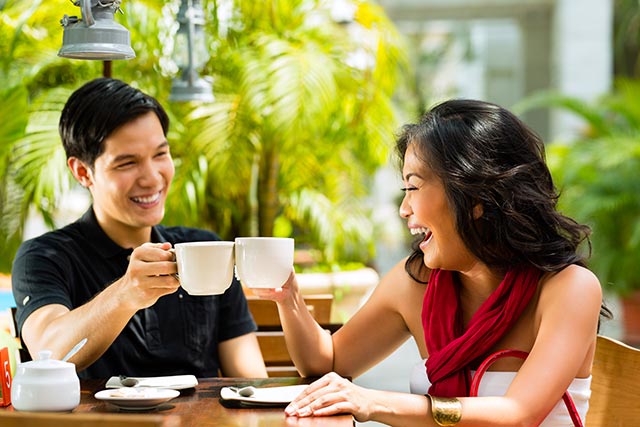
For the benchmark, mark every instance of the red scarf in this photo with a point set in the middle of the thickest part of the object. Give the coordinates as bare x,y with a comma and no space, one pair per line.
452,349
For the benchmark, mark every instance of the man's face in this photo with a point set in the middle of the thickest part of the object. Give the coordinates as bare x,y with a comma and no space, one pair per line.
130,180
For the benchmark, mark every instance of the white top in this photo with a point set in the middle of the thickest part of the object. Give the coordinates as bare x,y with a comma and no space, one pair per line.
496,383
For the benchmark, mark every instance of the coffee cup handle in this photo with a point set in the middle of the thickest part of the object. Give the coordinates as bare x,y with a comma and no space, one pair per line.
173,251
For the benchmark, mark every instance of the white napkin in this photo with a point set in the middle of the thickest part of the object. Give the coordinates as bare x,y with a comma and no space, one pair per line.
265,395
176,382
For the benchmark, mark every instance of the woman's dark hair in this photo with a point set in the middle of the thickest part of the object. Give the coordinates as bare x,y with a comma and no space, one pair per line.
485,155
96,110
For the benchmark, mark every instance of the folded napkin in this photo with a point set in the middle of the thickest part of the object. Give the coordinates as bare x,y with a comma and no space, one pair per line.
176,382
262,396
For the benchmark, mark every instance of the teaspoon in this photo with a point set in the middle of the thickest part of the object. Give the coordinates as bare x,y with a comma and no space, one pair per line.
128,381
244,391
74,350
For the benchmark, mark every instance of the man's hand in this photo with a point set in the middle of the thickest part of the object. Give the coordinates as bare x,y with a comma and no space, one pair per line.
150,275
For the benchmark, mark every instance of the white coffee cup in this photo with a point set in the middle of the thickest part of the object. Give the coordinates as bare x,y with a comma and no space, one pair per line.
264,262
205,268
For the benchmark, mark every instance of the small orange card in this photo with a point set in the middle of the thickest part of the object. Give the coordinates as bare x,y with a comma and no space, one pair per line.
5,370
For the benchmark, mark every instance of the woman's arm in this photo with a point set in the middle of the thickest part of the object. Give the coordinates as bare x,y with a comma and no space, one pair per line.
389,317
309,346
372,333
333,394
564,331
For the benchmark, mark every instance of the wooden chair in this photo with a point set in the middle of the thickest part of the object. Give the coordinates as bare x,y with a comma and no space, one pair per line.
615,387
23,353
265,312
270,335
52,419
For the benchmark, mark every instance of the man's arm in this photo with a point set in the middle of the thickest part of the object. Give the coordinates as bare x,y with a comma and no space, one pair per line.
241,357
56,328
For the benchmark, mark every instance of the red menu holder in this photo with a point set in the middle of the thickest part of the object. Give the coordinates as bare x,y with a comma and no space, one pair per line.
5,370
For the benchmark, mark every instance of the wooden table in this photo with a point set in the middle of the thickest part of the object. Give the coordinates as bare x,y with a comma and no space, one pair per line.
193,408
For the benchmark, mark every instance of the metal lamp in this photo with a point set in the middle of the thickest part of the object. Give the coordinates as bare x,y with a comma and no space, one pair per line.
190,54
95,36
343,12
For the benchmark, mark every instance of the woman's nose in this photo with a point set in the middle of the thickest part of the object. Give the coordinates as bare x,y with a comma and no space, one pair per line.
405,209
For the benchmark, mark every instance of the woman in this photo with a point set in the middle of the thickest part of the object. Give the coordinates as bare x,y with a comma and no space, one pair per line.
496,267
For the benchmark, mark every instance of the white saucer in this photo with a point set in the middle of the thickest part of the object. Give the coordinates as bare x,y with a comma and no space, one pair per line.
137,399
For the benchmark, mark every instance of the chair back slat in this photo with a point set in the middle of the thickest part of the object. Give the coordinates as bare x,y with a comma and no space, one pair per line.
265,312
23,353
270,334
615,386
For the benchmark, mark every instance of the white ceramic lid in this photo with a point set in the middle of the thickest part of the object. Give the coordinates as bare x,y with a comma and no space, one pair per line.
45,362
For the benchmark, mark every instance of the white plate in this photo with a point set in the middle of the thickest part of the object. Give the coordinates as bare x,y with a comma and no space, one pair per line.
265,395
137,399
175,382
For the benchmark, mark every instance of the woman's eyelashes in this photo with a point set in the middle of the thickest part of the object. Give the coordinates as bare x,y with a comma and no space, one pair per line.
408,188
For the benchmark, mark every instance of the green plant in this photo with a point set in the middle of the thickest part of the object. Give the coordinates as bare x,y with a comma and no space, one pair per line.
626,38
599,177
296,132
36,83
288,148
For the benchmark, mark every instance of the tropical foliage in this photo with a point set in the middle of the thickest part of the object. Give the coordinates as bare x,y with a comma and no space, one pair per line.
599,175
288,147
626,38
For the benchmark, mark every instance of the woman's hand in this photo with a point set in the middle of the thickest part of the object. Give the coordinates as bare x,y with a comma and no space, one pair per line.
310,345
332,395
288,289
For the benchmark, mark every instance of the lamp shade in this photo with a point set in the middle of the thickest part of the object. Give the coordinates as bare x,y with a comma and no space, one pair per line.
97,36
190,54
185,90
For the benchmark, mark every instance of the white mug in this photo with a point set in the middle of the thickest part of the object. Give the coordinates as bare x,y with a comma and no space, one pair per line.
205,268
264,262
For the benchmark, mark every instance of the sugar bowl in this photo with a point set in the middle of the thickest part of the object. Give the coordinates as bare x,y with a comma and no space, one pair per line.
45,385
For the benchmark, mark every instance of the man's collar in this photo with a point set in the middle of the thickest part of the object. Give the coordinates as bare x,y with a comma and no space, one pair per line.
103,244
157,236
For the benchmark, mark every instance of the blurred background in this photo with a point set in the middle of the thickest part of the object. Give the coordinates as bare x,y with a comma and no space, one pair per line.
290,129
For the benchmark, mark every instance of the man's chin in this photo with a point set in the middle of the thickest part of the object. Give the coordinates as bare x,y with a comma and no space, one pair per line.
150,219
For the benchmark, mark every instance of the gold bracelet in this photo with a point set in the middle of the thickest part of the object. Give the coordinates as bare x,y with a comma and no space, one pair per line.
446,411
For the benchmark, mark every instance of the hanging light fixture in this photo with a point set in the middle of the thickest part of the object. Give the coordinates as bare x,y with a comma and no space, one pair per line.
95,36
344,12
190,53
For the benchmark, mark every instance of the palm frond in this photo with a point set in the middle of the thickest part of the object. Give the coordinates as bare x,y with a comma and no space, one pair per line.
38,161
593,115
598,178
344,231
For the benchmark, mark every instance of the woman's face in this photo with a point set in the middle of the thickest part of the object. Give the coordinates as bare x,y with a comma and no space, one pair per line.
428,213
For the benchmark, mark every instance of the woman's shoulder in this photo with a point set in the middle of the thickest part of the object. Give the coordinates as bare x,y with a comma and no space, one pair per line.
569,277
399,296
572,283
398,277
397,289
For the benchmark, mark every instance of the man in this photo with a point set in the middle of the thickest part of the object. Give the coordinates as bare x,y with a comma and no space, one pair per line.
109,276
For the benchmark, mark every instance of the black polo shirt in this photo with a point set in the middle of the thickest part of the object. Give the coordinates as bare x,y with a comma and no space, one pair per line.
179,334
